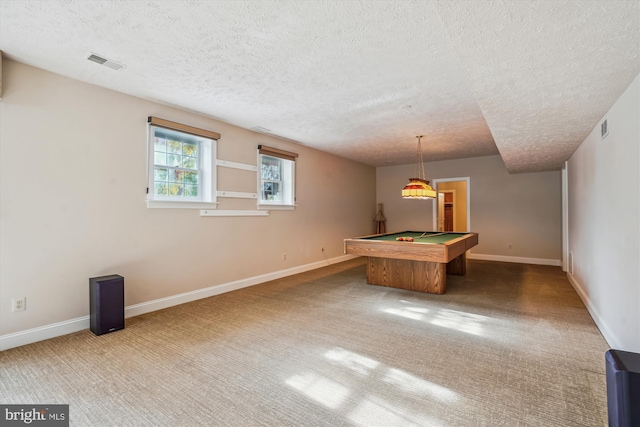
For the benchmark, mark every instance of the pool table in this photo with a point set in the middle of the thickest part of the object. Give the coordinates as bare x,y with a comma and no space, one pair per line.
418,265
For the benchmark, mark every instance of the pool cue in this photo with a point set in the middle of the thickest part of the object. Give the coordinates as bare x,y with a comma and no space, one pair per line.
425,235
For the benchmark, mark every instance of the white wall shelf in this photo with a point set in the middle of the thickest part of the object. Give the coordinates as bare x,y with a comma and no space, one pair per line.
220,212
237,194
235,165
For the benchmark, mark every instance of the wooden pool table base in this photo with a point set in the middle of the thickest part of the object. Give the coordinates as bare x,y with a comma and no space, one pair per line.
421,265
422,276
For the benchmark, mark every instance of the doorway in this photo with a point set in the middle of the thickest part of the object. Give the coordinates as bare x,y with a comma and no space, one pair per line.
452,212
448,218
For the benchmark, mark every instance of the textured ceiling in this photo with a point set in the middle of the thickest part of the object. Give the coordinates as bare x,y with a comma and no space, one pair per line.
526,79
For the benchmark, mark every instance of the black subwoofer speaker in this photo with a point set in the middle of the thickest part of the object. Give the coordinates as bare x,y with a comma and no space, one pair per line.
106,303
623,388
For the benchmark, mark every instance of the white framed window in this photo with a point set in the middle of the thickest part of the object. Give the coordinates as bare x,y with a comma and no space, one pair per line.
276,178
181,166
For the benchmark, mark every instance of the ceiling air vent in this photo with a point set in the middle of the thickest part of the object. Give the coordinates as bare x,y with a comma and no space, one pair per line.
266,131
260,129
106,62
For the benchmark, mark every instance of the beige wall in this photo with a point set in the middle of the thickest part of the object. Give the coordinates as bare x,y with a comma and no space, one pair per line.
604,222
72,203
459,202
524,210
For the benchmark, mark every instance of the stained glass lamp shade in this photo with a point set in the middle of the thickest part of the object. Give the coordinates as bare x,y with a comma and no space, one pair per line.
418,188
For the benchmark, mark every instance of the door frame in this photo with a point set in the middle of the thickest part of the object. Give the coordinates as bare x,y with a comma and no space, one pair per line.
435,182
440,211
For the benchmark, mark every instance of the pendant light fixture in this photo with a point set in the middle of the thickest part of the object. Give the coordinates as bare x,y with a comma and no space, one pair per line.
418,188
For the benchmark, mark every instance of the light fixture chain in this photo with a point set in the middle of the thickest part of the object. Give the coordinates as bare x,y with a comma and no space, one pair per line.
419,161
418,187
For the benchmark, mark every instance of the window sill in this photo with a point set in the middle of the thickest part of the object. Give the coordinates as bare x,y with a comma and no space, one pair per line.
166,204
276,207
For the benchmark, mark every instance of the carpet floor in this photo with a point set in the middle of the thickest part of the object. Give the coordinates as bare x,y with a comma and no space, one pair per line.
507,345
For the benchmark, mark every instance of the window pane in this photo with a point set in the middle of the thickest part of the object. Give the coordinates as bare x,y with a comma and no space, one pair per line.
160,144
191,190
176,189
189,162
179,168
174,160
174,147
161,189
271,191
190,177
176,176
160,174
159,158
189,149
270,168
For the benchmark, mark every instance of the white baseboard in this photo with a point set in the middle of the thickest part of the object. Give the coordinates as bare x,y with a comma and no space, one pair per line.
53,330
606,331
159,304
519,260
45,332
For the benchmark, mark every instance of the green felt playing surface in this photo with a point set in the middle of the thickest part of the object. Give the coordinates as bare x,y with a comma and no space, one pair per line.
432,237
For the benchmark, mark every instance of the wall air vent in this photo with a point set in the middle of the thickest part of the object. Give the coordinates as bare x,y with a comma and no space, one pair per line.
570,263
604,129
106,62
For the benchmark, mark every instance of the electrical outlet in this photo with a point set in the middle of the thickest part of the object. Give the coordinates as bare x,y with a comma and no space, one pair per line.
19,304
284,257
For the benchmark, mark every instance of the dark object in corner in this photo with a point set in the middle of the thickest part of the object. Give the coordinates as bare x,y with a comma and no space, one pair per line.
623,388
106,304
